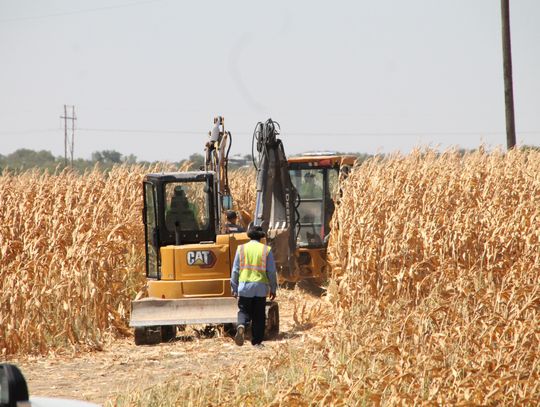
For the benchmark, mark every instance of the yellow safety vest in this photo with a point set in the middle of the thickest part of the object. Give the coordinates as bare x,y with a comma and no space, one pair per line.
253,257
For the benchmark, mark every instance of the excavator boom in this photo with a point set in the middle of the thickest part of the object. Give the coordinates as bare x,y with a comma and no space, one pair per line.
276,199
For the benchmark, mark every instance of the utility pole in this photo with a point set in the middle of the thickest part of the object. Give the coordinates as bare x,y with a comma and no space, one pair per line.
72,133
508,85
69,142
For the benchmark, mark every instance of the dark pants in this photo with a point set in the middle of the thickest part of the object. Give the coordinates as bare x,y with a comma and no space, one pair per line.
252,309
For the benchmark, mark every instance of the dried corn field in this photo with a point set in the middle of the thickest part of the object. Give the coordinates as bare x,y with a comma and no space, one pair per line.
435,297
436,288
243,189
72,257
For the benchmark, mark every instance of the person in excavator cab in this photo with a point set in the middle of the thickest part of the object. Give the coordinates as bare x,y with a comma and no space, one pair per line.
181,208
253,278
309,188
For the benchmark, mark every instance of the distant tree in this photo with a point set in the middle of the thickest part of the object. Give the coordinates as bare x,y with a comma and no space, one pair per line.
97,157
111,156
81,165
23,159
130,159
107,157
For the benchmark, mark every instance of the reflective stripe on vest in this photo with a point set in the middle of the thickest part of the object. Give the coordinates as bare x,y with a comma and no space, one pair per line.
253,257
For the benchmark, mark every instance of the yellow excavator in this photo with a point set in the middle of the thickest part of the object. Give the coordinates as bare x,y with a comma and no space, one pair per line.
188,255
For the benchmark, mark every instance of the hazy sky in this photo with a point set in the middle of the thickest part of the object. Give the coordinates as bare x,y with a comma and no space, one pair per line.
147,77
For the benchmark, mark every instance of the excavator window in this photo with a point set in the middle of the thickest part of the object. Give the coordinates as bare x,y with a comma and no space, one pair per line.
150,226
312,184
309,183
317,189
186,206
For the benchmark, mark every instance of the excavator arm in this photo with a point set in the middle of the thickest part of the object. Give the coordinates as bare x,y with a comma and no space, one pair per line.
276,199
216,159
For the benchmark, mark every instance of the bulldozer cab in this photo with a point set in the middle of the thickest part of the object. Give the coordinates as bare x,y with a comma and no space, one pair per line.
315,177
179,208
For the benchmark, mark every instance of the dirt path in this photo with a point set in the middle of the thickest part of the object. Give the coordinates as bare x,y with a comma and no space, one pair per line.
122,366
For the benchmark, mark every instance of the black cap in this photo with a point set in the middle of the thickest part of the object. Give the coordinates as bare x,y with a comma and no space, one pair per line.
231,215
256,233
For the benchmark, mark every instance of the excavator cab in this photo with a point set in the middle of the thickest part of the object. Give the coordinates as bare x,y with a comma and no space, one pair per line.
316,178
179,208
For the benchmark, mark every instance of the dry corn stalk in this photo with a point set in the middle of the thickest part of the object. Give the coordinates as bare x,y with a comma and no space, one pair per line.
72,256
436,262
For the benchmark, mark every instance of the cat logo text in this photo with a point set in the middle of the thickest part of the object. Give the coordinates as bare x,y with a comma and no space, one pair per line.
201,258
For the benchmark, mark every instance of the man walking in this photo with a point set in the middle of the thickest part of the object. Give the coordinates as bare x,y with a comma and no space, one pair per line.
253,277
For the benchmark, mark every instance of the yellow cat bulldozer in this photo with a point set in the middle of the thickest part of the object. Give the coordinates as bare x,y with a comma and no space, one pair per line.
188,255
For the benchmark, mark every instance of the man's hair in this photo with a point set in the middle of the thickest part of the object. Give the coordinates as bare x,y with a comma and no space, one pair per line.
256,233
231,215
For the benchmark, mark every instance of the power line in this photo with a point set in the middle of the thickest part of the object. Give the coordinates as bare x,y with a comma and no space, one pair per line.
293,133
286,133
29,131
144,131
70,13
422,133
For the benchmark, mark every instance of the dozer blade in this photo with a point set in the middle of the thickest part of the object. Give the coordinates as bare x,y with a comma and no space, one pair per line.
155,311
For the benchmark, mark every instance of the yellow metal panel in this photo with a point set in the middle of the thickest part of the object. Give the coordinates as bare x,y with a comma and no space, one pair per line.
167,263
318,264
236,240
197,270
206,288
189,289
201,262
165,289
224,239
